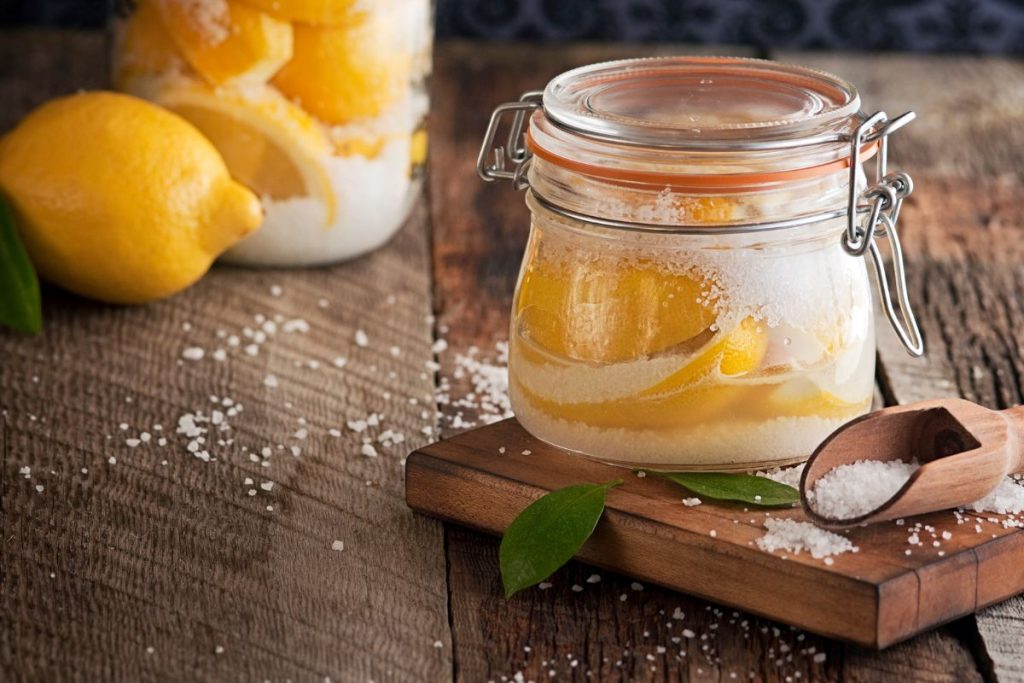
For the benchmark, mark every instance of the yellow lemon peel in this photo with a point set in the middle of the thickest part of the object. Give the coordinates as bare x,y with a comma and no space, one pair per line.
119,200
342,74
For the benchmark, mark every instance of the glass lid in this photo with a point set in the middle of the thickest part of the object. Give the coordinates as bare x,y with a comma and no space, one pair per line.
700,102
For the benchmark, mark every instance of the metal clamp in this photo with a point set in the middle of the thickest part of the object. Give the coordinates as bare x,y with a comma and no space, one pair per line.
512,160
884,200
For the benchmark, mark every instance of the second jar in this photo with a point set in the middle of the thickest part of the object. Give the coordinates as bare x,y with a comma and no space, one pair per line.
317,106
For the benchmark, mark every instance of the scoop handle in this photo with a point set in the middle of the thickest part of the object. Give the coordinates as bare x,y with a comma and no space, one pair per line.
1016,417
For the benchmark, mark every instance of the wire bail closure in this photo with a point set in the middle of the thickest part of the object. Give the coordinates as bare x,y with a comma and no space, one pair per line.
884,199
512,160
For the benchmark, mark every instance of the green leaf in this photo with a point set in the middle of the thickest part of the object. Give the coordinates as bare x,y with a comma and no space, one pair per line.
548,533
20,304
746,488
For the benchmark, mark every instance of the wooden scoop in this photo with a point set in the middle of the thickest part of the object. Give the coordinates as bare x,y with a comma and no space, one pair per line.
965,451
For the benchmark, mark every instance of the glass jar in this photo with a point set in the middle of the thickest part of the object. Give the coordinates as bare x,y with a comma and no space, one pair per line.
319,106
691,297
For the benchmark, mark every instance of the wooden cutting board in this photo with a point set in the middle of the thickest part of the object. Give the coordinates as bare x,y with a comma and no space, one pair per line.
875,597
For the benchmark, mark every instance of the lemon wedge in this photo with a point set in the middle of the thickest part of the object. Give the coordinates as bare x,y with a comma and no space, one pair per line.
609,312
270,145
347,73
227,41
144,49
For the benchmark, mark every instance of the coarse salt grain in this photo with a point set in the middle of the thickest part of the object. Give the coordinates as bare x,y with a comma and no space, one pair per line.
794,536
691,502
790,476
338,546
856,489
193,353
362,340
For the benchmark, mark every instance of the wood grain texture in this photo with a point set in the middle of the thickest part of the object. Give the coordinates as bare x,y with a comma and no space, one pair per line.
962,233
146,563
479,233
970,109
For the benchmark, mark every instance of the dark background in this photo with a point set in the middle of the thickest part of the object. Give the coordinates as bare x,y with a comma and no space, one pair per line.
917,25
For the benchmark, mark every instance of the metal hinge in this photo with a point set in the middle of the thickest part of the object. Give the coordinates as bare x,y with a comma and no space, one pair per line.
511,160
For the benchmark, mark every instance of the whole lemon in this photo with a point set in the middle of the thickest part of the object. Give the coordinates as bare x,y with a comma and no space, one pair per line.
119,200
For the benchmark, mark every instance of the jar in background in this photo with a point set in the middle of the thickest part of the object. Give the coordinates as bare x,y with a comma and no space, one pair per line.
691,297
318,106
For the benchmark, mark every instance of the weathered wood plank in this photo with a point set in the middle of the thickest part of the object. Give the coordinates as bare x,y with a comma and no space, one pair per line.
970,109
962,234
147,563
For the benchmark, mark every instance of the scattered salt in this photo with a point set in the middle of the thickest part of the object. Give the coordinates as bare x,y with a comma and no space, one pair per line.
794,536
296,325
790,476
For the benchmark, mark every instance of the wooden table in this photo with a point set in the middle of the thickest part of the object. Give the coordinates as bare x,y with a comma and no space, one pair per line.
146,563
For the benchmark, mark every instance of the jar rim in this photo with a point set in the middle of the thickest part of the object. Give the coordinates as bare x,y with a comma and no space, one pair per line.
702,103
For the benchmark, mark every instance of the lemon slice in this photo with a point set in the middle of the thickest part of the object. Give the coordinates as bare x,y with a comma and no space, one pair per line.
309,11
342,74
227,41
683,398
269,144
803,398
734,353
144,49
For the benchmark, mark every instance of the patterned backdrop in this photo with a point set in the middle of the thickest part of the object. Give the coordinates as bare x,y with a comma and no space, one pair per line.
923,25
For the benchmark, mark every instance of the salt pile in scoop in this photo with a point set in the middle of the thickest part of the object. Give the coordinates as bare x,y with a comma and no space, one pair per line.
853,490
850,491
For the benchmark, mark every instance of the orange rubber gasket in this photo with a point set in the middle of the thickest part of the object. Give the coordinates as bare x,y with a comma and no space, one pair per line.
695,181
